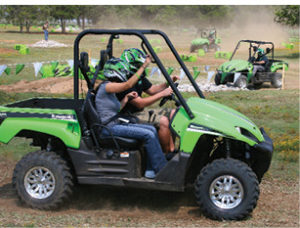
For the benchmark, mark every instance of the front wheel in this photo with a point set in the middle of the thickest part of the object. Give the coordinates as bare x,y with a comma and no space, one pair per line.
218,79
42,180
241,82
205,48
226,189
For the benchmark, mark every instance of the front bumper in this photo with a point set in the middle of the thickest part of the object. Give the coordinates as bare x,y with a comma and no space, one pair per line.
263,155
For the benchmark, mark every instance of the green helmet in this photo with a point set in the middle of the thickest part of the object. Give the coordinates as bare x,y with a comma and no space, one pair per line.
116,69
135,57
260,51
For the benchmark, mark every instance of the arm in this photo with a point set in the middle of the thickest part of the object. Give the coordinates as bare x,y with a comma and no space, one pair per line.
140,102
158,88
128,96
114,87
260,62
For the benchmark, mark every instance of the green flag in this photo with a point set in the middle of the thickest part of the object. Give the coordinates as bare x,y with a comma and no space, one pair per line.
7,71
54,65
19,68
147,71
196,72
170,70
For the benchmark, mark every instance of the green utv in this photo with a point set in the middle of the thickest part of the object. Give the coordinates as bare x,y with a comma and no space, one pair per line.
239,72
222,153
208,40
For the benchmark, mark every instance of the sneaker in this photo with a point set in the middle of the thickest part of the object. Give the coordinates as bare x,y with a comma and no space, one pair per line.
170,155
150,174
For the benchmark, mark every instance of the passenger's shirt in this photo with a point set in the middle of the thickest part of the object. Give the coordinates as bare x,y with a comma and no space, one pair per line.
107,104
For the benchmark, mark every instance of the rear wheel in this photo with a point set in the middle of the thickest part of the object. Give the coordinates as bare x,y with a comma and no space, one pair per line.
241,82
276,80
227,189
42,180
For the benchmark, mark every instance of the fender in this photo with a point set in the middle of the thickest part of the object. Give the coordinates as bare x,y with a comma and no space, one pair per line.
62,124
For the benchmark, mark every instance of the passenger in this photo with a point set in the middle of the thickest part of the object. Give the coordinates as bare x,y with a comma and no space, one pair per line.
136,58
108,106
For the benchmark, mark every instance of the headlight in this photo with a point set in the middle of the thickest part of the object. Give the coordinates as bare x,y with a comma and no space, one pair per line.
246,133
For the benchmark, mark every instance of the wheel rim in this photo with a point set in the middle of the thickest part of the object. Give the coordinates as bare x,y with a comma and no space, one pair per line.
39,182
226,192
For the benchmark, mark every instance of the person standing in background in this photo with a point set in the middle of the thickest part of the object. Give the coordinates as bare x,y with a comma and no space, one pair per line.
45,28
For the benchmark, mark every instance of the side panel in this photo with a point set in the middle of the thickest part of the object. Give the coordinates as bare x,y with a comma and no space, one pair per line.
62,124
188,138
68,132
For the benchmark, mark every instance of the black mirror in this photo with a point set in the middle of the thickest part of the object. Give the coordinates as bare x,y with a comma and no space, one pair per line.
255,48
84,61
268,50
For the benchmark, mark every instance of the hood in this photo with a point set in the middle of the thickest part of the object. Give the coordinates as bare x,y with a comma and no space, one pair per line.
224,120
235,66
200,41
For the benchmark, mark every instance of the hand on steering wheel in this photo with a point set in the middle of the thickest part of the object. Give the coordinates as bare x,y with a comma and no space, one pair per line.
166,98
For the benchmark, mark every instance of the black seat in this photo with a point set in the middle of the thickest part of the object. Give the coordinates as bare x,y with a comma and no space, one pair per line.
95,126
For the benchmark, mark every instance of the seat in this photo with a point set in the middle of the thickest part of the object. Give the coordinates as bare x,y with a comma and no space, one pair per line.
94,125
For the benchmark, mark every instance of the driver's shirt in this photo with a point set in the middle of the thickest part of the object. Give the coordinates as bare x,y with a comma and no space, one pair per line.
263,58
141,86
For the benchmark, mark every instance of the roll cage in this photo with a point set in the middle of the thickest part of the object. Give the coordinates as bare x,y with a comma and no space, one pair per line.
145,44
251,46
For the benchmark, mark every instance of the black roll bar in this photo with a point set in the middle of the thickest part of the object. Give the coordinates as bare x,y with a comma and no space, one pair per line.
254,42
140,34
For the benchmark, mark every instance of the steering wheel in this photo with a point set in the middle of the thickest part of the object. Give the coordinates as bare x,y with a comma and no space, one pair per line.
171,97
144,49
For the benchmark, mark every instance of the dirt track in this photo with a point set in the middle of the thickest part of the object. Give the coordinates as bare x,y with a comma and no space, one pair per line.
94,206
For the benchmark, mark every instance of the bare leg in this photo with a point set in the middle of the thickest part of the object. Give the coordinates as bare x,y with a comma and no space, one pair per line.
164,134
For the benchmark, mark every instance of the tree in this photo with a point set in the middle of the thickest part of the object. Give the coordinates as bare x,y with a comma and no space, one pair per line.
24,16
15,15
63,13
288,15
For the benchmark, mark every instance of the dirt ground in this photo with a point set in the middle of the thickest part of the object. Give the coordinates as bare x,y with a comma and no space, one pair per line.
94,206
64,85
45,85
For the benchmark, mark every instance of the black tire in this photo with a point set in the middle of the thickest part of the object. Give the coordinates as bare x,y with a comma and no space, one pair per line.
241,82
242,176
218,79
276,80
193,48
43,162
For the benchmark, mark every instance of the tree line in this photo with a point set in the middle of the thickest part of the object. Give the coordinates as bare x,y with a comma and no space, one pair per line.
205,15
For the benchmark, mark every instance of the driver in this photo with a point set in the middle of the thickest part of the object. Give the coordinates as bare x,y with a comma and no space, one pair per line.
260,62
136,57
